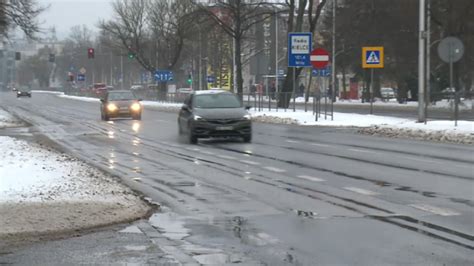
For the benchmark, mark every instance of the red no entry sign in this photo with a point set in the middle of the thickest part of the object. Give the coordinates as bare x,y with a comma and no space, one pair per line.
319,58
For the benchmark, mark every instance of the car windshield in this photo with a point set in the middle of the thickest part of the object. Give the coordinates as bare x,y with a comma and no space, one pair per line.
121,96
217,100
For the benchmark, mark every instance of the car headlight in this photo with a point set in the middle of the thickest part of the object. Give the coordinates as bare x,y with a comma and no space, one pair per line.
19,92
136,107
198,118
111,107
247,117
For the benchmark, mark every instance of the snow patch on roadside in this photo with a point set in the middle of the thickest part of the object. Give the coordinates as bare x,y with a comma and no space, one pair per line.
7,120
80,98
34,174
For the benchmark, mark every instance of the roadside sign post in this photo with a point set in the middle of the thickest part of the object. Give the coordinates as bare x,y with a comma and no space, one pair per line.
372,57
299,48
320,60
163,75
451,50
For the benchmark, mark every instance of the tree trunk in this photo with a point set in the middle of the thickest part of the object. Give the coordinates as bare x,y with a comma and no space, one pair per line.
238,65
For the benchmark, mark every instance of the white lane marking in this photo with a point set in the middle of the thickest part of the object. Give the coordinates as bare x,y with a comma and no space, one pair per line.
435,210
207,152
292,141
362,191
249,162
263,239
319,145
420,160
226,157
363,151
311,178
192,149
274,169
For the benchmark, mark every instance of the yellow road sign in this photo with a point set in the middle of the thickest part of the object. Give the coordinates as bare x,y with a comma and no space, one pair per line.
372,57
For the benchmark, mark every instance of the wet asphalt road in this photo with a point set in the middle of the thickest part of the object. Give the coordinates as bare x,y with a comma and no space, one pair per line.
296,195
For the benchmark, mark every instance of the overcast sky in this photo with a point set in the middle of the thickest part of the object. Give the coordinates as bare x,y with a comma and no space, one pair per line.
63,14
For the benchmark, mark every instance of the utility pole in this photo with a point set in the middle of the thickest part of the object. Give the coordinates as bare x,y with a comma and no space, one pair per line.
276,52
333,73
421,64
428,56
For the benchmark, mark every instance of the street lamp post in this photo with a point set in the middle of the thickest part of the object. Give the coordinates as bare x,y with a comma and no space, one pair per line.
421,63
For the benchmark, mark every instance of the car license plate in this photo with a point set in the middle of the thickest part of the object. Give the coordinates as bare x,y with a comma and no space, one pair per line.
224,128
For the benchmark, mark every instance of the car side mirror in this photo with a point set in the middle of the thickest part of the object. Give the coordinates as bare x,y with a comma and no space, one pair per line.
248,107
185,107
102,100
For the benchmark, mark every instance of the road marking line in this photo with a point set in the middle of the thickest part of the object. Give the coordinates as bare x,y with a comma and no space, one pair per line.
434,209
249,162
363,151
311,178
292,141
421,160
362,191
192,149
274,169
226,157
208,152
319,145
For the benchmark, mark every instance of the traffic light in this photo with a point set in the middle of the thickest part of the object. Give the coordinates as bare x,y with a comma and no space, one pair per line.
52,58
17,56
190,79
131,55
90,53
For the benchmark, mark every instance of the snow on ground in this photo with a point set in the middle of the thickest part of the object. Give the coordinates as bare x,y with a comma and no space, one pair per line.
80,98
32,173
7,120
51,92
360,120
45,192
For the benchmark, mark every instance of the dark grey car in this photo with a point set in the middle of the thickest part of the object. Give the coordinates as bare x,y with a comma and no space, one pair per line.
120,103
214,113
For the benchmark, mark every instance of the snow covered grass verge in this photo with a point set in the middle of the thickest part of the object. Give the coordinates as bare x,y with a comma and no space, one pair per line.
165,107
457,135
80,98
44,192
443,131
7,120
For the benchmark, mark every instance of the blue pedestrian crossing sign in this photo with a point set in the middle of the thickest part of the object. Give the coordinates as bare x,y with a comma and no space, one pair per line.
372,57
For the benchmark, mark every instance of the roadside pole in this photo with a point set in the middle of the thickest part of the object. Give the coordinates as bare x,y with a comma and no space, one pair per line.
421,64
333,73
371,91
428,58
294,87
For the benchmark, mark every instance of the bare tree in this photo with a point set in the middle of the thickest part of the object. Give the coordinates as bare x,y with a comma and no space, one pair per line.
236,18
20,13
303,16
153,31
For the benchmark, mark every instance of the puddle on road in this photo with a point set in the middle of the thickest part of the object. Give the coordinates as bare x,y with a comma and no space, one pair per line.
170,225
133,229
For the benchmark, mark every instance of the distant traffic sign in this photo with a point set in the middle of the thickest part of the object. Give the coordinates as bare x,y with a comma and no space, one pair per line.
372,57
82,70
163,75
319,58
324,72
299,48
81,77
211,79
450,49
